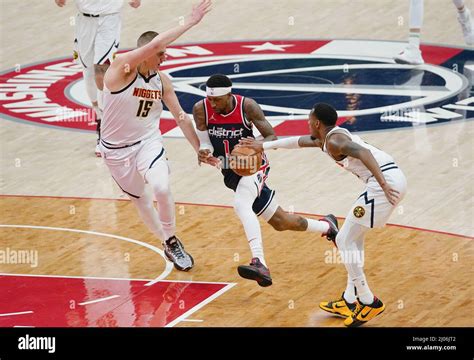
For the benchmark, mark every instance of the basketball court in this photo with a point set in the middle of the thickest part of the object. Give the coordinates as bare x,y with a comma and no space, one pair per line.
71,241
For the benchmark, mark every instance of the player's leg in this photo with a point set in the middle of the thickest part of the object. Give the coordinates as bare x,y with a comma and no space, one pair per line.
152,164
465,20
282,221
245,195
158,178
350,245
412,53
147,211
105,46
86,28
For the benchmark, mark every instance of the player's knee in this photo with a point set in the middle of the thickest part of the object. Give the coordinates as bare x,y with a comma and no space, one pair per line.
241,206
160,188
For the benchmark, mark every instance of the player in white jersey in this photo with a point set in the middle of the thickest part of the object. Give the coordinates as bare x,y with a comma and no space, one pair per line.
131,143
412,54
385,187
97,38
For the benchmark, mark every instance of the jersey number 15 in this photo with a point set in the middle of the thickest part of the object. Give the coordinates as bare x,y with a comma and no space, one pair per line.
144,108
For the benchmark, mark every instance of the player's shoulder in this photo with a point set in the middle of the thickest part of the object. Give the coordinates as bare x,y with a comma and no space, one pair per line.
198,108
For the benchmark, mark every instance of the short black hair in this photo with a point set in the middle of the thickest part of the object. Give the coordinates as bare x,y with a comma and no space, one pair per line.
325,113
218,80
146,37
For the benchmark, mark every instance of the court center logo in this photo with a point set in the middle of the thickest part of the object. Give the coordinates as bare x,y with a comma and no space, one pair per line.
359,78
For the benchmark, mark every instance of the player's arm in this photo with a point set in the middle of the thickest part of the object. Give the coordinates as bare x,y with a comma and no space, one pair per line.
339,145
255,115
294,142
182,119
125,64
60,3
205,146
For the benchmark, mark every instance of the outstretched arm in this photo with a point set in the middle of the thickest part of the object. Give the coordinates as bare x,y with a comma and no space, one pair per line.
341,145
294,142
124,66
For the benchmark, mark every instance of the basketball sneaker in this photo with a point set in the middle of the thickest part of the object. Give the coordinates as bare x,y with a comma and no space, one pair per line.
411,55
333,228
467,26
256,271
339,307
364,313
174,251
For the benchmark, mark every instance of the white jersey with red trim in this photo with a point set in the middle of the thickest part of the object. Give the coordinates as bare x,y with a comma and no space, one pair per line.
133,113
354,165
99,7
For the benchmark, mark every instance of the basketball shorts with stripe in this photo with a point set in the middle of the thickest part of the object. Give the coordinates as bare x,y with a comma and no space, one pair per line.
96,38
265,204
372,208
128,166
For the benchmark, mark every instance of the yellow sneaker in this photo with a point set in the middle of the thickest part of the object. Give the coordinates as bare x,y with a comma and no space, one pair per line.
364,313
339,307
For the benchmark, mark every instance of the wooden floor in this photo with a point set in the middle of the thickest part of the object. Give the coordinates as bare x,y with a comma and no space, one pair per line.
408,268
421,275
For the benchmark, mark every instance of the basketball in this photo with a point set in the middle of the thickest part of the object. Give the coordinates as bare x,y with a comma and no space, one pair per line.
244,161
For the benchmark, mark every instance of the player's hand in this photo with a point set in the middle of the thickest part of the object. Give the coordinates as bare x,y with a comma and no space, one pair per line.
199,11
135,3
250,142
205,156
60,3
391,194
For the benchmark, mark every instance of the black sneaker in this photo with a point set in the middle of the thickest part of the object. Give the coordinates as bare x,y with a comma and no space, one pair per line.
333,228
256,271
175,253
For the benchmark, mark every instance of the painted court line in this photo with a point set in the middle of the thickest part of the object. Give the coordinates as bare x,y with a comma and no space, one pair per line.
17,313
200,305
99,300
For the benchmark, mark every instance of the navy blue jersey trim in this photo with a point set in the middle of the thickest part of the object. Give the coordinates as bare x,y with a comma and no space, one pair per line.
156,159
372,207
125,88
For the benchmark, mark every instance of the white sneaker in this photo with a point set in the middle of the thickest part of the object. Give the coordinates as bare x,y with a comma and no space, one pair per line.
467,26
97,150
411,55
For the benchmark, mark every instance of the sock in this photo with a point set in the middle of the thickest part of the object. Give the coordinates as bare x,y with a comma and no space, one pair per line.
363,291
350,292
414,39
317,226
256,247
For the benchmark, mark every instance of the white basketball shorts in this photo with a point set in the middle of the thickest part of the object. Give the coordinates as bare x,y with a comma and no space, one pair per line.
129,165
97,38
372,208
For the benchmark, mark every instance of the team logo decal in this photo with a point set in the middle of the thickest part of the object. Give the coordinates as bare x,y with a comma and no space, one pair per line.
359,212
285,77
